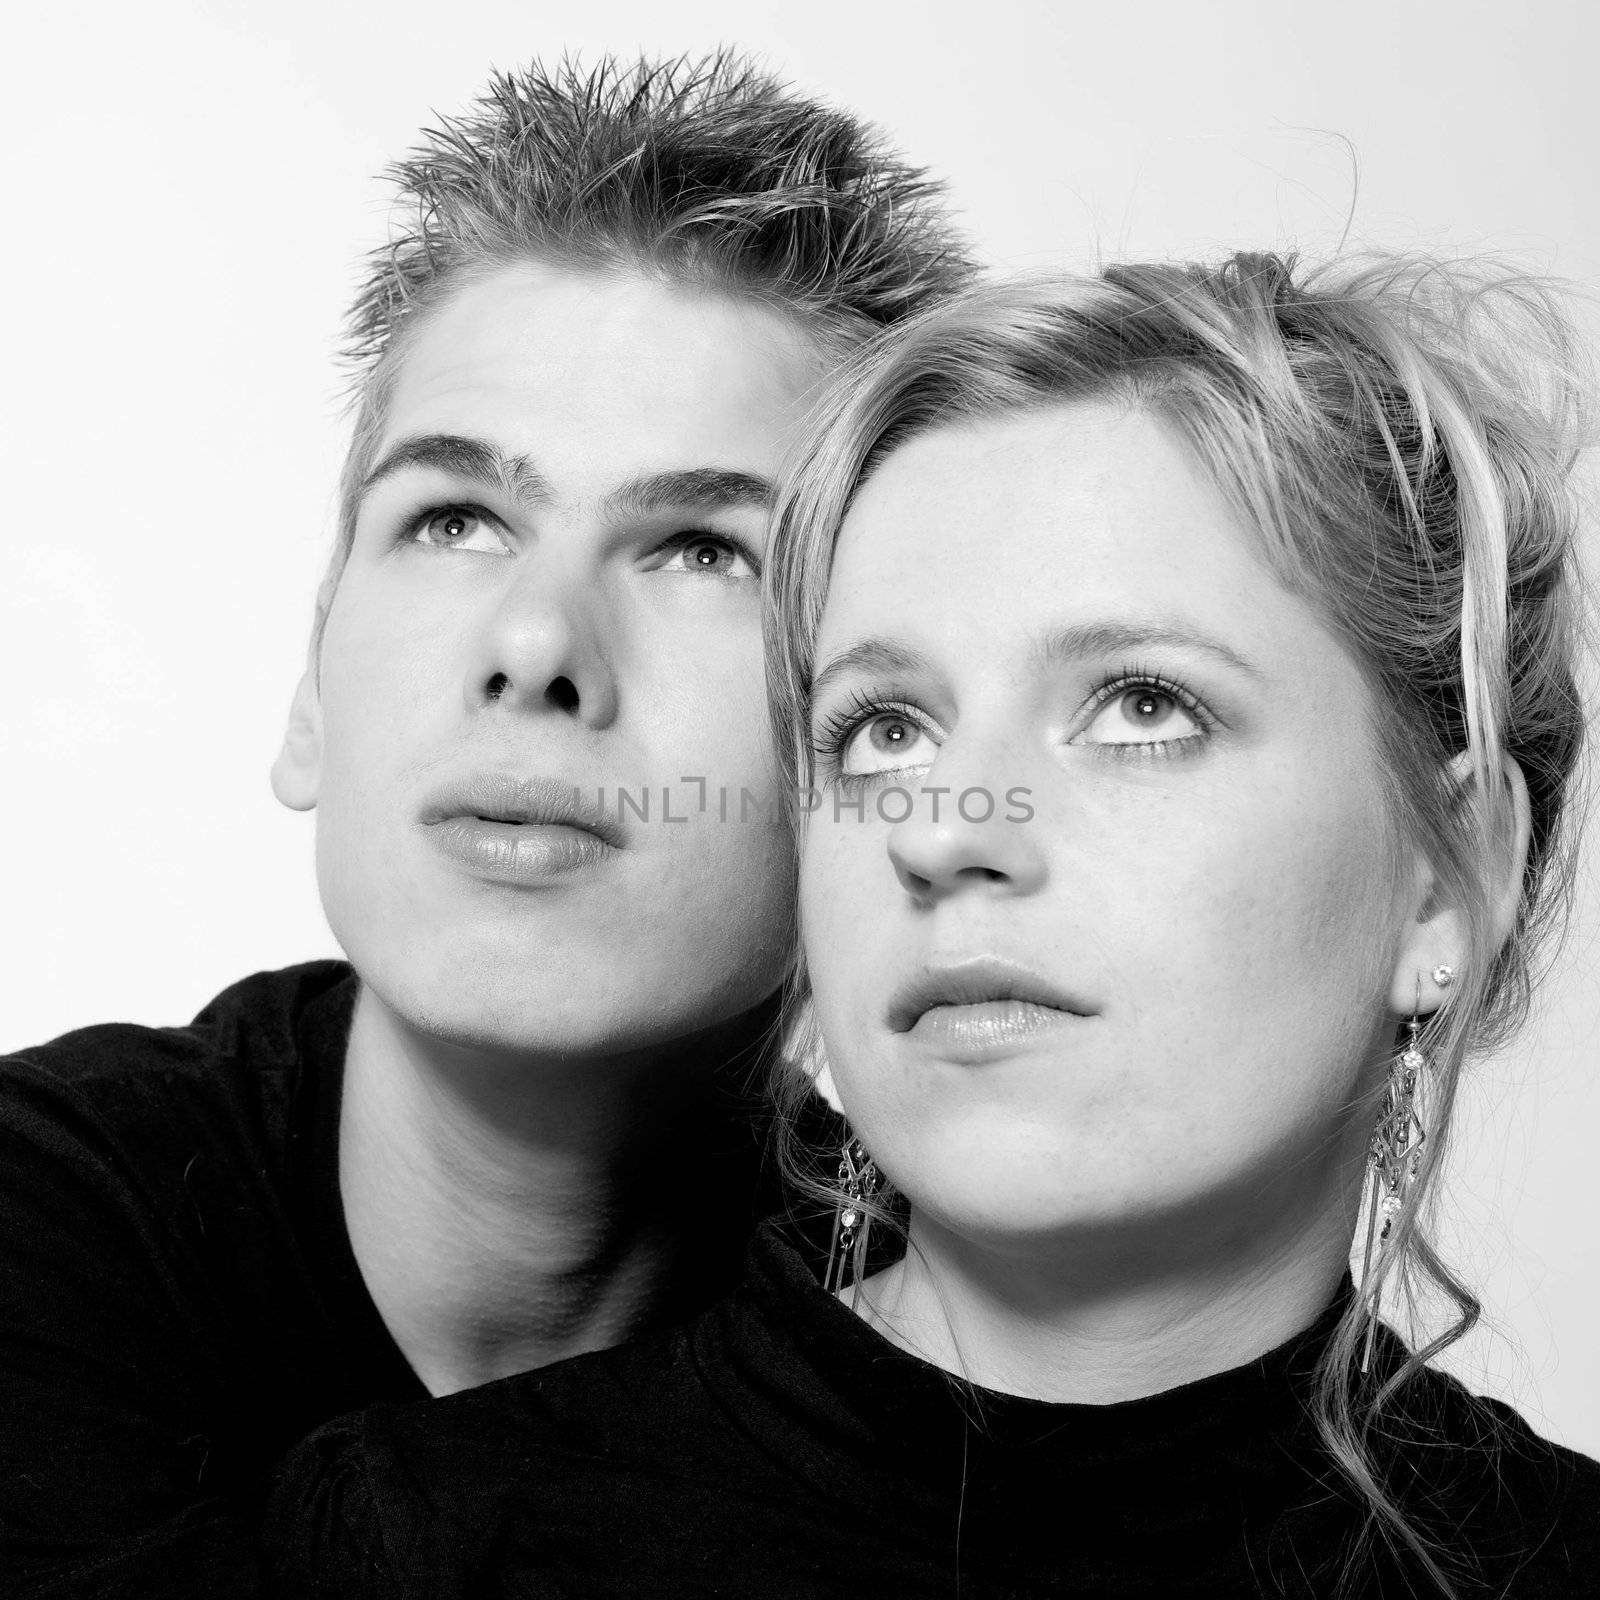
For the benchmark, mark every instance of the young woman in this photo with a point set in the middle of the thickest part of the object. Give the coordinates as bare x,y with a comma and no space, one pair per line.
1177,669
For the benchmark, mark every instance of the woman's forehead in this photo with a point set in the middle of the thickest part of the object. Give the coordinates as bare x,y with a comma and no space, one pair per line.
1084,526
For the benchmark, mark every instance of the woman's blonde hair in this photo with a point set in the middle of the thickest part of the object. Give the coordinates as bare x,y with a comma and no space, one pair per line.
1401,434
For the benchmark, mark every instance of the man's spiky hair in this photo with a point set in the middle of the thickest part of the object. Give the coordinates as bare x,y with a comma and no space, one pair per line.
706,172
709,172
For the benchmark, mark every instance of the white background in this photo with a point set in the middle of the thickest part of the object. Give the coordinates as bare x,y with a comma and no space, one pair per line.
186,192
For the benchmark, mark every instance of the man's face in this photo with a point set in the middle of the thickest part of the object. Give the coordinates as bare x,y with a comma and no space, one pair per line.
549,616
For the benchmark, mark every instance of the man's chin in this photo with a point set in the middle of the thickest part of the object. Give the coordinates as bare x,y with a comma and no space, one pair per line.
555,1016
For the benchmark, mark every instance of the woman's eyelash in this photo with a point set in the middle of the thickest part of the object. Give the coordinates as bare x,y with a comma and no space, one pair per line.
834,731
1141,678
838,727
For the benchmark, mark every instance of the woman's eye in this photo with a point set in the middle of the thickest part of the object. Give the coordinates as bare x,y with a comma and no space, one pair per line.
460,528
708,553
1140,715
888,742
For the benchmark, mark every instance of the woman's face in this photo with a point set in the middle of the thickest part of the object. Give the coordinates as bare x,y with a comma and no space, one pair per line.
1128,959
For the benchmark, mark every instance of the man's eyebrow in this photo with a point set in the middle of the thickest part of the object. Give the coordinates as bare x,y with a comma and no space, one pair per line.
696,488
870,656
1118,638
692,488
464,457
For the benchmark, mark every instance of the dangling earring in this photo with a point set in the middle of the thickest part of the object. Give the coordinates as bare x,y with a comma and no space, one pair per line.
1393,1160
858,1183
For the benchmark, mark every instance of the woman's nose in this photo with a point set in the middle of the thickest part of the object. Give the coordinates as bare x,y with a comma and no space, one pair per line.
972,840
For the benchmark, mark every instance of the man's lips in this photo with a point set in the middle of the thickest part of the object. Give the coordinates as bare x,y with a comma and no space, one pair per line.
1000,986
520,832
511,802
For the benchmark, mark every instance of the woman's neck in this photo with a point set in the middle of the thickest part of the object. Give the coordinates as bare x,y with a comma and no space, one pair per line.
1106,1319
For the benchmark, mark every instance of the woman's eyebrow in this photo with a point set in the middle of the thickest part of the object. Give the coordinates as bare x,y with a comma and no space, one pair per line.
1115,637
871,655
1071,643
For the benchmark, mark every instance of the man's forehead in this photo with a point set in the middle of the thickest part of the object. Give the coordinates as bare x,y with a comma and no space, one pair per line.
586,382
531,327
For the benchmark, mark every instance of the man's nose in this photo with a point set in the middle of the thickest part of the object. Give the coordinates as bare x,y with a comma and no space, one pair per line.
547,646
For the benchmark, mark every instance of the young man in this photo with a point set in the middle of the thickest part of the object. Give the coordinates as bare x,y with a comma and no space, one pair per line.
533,729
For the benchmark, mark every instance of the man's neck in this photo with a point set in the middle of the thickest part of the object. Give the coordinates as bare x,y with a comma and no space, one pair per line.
507,1214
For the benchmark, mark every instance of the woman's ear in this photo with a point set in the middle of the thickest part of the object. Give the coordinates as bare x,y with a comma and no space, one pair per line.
822,1082
803,1047
1439,936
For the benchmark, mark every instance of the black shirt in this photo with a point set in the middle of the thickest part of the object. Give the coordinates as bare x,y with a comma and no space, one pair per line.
777,1447
179,1303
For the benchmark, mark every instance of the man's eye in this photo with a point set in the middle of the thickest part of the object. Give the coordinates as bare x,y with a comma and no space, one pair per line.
460,528
891,741
710,553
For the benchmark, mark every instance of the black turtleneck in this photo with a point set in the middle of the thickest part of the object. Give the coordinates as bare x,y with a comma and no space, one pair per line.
778,1447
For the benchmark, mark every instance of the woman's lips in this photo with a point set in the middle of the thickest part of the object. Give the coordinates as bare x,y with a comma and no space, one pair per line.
962,982
974,1029
972,1006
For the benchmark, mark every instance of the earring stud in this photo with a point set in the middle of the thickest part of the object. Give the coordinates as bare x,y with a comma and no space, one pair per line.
1444,976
